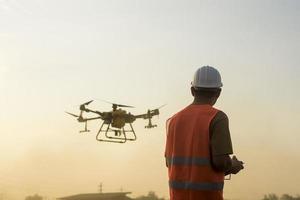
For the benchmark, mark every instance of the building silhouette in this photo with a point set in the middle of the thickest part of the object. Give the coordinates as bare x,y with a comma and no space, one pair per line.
98,196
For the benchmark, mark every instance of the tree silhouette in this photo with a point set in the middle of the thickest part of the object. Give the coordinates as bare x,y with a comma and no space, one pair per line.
283,197
270,197
34,197
286,197
151,196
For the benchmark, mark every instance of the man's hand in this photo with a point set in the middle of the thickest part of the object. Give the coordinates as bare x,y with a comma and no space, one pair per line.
236,166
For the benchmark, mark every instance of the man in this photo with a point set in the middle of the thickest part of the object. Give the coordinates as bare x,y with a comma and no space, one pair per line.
198,145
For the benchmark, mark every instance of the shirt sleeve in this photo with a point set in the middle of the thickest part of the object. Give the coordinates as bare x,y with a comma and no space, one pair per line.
167,133
220,140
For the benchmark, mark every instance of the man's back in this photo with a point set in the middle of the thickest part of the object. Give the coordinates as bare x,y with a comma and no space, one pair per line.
188,155
198,145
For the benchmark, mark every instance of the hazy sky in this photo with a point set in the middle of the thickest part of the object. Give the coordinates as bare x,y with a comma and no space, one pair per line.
57,54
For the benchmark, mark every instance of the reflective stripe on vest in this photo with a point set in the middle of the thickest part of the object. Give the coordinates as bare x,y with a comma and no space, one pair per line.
187,161
196,186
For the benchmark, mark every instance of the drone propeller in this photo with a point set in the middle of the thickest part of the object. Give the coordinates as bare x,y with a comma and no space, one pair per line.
118,105
156,111
161,106
72,114
87,103
124,106
82,106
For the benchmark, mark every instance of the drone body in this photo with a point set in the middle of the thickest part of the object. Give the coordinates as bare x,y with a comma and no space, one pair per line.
112,128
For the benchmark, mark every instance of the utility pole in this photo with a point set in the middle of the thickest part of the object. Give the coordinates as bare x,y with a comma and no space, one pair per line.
100,188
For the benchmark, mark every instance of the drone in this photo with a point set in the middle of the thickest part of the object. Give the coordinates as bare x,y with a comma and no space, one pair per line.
113,127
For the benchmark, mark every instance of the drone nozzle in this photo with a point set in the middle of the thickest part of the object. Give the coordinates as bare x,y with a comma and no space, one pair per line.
87,103
156,112
81,119
82,106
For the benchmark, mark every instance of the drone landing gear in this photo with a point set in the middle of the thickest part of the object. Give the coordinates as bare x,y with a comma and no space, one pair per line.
85,128
115,135
150,125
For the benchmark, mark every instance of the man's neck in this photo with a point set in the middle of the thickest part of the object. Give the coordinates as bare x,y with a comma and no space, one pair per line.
198,101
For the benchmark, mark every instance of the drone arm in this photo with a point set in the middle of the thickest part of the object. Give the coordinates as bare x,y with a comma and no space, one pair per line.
148,115
143,116
93,111
93,118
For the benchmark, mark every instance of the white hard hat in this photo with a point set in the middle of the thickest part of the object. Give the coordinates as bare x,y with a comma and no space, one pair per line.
207,77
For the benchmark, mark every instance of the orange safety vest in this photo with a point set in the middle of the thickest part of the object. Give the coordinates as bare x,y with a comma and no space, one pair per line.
191,176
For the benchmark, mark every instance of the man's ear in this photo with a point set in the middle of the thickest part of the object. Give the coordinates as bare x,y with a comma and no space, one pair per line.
193,91
218,93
